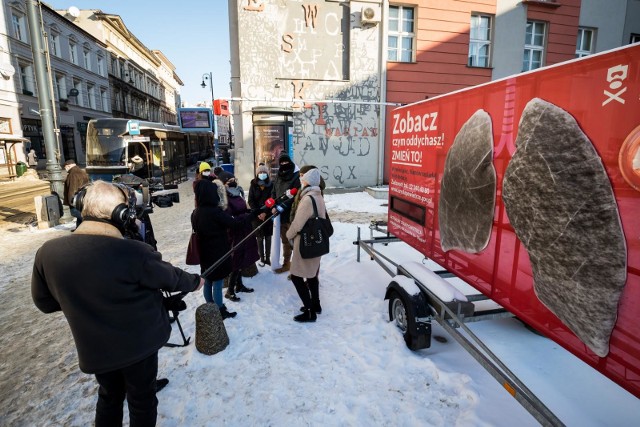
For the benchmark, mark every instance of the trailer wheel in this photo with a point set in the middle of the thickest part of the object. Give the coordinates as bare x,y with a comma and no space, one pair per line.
398,314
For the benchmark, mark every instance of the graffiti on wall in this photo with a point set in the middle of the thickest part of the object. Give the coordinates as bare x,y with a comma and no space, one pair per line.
320,54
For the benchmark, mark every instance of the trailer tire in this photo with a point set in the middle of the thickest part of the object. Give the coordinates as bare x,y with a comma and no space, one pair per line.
401,313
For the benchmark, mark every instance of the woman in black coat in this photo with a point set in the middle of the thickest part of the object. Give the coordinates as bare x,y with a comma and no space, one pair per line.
259,191
211,224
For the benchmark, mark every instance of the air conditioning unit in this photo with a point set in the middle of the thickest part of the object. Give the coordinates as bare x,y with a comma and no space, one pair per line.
370,14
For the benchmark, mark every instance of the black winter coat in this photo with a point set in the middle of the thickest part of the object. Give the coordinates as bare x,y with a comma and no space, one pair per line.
211,224
282,183
109,290
246,254
258,195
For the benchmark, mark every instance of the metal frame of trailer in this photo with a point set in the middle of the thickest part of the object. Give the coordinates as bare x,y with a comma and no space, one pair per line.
452,316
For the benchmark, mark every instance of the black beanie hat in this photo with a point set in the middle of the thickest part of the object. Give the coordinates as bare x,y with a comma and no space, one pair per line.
284,157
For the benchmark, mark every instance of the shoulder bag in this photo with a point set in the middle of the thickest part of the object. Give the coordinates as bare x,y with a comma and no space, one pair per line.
314,236
193,250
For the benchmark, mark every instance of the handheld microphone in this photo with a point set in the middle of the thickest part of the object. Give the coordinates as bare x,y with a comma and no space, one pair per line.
270,202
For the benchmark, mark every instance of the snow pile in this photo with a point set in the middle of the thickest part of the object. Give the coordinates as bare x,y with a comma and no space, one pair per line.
350,368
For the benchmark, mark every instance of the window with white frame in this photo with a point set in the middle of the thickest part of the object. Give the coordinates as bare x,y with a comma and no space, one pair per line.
86,59
55,44
401,40
585,45
117,98
534,42
61,86
79,100
104,99
26,78
100,61
91,93
19,26
635,38
480,41
73,52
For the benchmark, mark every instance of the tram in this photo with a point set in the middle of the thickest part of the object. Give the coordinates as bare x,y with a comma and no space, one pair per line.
156,152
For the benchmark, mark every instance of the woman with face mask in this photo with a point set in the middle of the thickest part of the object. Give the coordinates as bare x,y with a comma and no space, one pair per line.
259,191
304,271
246,254
204,172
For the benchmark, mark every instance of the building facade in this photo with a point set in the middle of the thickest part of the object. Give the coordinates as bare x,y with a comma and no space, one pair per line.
322,75
307,76
11,143
143,82
78,81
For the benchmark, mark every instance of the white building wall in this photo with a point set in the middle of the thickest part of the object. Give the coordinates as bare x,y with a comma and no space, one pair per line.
315,51
9,106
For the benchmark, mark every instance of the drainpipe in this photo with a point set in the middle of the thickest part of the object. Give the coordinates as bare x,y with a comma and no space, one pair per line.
383,92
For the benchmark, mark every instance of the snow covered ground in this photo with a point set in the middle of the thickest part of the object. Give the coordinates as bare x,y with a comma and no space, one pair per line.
350,368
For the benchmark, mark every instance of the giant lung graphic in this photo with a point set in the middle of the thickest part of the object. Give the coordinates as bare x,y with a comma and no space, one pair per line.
560,202
468,189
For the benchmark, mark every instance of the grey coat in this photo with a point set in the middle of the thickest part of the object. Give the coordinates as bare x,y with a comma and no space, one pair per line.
306,268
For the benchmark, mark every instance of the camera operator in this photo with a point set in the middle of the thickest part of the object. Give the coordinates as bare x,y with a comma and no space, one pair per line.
108,288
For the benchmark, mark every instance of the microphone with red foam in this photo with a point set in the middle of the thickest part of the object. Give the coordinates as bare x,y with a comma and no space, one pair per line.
278,203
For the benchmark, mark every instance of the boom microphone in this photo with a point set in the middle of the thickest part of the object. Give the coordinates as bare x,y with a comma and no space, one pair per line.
268,204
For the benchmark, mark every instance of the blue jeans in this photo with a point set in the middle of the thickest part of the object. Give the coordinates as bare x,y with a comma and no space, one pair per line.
213,291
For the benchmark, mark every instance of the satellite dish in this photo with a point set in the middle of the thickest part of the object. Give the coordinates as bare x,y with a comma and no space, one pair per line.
74,11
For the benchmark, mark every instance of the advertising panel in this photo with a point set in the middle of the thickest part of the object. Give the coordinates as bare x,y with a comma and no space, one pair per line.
195,119
528,189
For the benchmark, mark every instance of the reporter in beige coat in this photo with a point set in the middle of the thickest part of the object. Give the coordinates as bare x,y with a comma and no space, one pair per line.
301,268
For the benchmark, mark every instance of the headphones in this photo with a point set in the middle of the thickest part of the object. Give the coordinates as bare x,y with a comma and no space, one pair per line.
122,214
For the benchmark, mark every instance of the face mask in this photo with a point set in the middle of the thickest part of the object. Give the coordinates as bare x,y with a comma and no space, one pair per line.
232,184
262,176
206,173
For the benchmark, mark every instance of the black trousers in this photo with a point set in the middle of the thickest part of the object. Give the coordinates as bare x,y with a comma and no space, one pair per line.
137,383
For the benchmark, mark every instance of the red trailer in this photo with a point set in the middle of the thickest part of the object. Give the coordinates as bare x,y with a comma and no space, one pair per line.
528,189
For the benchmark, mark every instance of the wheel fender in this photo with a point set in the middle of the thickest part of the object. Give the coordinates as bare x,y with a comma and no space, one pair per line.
417,308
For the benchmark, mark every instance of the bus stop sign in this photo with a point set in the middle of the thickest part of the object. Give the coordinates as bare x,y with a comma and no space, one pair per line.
133,127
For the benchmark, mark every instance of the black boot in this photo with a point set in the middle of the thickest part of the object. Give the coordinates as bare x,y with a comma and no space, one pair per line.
314,290
240,287
231,297
267,250
316,308
161,383
306,316
261,250
231,290
226,314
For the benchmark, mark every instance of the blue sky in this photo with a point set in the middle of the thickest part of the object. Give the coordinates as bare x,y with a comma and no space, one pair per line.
193,34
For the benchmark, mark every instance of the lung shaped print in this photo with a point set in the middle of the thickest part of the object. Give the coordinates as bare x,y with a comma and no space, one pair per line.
560,202
468,188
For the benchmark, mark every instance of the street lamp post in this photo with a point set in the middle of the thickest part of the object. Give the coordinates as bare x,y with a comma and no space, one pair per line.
209,77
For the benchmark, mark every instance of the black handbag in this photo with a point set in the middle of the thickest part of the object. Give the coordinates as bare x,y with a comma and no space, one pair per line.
314,236
193,250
